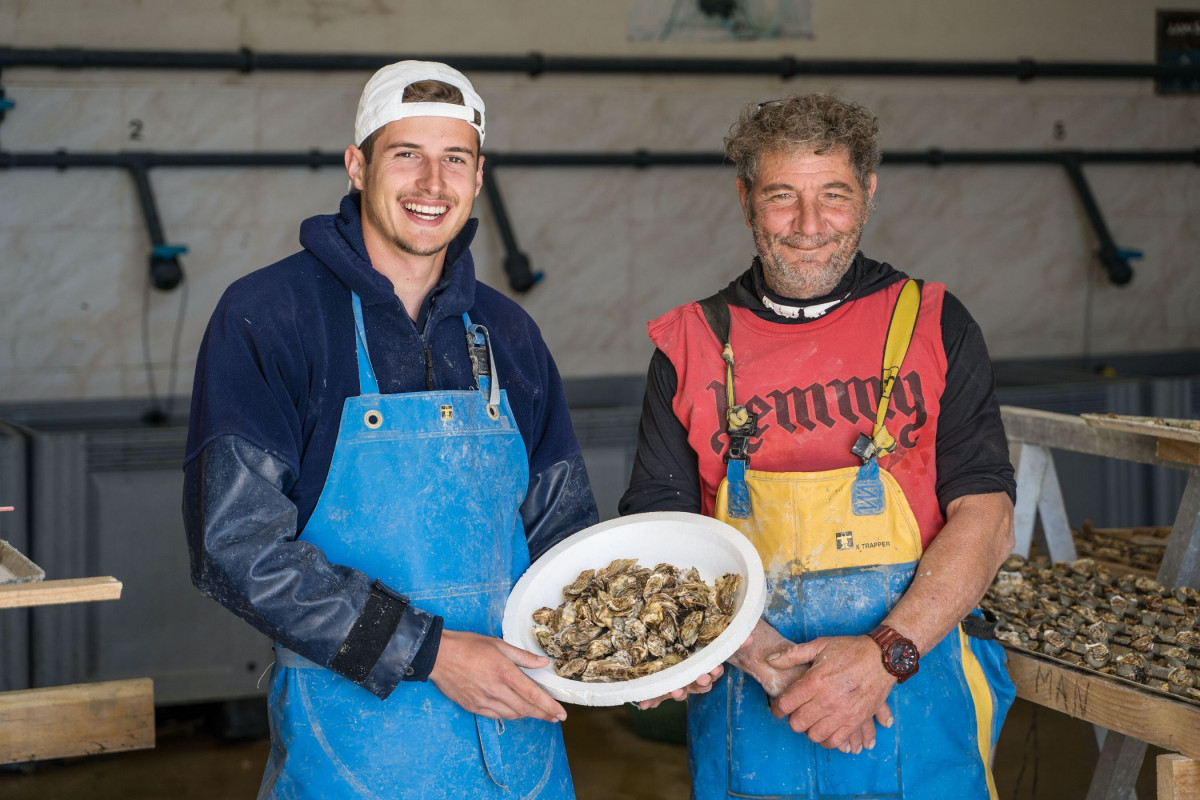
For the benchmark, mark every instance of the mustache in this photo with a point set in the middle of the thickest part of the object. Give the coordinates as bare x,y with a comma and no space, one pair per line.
800,241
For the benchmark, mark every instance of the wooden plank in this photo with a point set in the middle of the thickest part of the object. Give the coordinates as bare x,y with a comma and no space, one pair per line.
1174,450
1184,430
1178,777
48,593
1070,432
77,720
1162,721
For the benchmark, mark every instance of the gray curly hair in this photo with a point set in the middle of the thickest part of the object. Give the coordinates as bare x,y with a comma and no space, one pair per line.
817,122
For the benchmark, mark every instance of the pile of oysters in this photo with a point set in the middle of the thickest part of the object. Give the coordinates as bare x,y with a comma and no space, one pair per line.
1081,613
626,621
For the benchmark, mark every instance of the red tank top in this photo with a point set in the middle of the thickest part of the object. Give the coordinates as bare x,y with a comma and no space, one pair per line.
815,387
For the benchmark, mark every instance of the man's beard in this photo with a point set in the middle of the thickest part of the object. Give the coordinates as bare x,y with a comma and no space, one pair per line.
801,278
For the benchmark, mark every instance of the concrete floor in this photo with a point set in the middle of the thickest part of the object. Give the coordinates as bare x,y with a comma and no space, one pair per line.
1042,755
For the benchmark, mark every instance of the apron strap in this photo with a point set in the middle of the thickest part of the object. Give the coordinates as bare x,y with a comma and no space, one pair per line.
739,421
483,364
899,336
366,376
483,360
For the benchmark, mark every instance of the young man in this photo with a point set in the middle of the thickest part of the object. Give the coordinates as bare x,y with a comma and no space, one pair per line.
379,444
879,499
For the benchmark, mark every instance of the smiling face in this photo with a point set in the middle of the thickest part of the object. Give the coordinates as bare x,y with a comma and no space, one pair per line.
807,213
419,186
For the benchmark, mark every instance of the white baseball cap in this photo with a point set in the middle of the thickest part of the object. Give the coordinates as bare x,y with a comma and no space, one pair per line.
382,98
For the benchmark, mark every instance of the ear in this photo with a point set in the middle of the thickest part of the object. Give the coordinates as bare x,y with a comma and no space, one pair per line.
744,196
479,177
356,165
871,191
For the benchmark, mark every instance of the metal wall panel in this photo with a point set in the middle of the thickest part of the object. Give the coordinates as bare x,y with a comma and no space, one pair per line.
14,529
106,501
59,544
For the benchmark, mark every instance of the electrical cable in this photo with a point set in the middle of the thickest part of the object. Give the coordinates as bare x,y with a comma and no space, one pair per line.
160,411
1088,310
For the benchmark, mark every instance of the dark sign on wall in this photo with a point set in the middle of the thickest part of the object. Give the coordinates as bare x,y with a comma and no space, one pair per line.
1178,42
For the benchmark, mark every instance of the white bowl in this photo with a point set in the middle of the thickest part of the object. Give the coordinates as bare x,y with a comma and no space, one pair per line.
671,537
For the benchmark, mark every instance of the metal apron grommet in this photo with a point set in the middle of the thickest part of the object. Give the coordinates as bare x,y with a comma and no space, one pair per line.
493,411
372,419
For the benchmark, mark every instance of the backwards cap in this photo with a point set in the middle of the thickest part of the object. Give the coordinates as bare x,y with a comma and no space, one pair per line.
382,98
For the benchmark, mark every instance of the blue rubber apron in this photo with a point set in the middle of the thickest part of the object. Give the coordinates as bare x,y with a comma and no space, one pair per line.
423,494
835,565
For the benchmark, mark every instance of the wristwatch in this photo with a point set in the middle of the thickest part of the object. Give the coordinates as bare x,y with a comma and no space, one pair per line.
900,656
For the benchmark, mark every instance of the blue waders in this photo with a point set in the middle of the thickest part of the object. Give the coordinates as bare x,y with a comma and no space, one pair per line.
423,494
840,548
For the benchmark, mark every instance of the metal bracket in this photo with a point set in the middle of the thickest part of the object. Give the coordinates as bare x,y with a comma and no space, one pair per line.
6,104
1114,259
516,264
166,273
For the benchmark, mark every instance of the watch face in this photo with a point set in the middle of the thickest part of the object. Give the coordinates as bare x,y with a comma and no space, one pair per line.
902,658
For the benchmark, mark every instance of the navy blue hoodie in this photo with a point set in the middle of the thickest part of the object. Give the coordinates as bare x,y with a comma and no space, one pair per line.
278,361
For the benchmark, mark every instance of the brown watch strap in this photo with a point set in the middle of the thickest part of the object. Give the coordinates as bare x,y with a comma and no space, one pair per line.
886,635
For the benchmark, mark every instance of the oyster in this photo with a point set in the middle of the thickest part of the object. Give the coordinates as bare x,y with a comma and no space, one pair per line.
1053,642
1132,666
727,586
626,621
713,626
1188,638
689,631
1097,655
580,584
1080,613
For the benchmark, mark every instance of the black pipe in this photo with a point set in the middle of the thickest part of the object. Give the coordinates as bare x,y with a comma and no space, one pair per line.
130,159
62,159
165,270
637,158
1114,260
141,180
246,60
516,263
935,157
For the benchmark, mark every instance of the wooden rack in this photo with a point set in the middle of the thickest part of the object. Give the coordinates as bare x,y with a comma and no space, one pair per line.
81,719
1126,717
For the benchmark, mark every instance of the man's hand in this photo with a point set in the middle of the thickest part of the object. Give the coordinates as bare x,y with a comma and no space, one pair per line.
836,698
699,686
751,658
480,674
759,659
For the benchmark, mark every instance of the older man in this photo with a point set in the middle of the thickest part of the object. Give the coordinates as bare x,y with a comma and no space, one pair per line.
359,488
843,417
